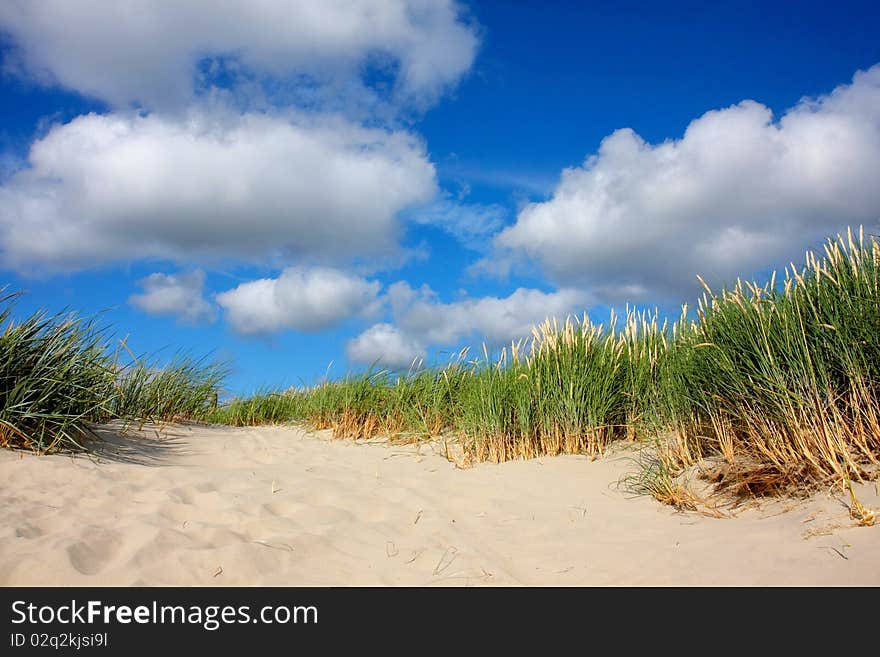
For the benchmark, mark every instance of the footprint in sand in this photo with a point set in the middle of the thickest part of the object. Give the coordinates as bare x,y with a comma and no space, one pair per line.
97,547
27,530
182,495
283,508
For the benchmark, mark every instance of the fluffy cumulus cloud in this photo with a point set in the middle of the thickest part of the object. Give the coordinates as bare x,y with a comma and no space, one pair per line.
386,345
180,295
737,193
129,51
123,187
303,299
422,321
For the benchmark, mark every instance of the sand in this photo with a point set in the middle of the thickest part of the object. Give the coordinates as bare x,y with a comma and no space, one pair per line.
281,506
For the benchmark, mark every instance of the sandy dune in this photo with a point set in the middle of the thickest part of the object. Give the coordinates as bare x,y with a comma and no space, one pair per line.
279,506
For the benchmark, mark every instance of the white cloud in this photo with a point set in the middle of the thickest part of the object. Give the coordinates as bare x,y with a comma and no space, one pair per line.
385,345
304,299
737,193
175,294
422,321
125,187
493,319
128,51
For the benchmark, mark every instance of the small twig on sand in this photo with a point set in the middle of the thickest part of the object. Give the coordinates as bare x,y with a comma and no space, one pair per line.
841,554
275,546
446,560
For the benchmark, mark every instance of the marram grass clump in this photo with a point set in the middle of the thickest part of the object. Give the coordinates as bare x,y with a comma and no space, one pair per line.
783,381
55,378
570,389
183,389
59,374
418,404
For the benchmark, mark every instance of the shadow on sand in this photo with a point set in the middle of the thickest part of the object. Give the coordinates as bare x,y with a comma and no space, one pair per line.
148,444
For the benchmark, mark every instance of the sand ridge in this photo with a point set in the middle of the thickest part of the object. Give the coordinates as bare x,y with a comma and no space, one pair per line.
281,506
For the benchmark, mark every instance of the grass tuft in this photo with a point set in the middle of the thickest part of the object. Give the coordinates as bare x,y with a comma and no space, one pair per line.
59,376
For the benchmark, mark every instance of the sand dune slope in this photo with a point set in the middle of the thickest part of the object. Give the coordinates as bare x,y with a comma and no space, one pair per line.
280,506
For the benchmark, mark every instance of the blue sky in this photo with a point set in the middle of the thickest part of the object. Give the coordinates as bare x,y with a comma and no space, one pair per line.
301,186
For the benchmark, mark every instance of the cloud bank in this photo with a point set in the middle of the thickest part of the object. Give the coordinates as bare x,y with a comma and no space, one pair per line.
737,193
255,187
148,53
420,321
386,345
303,299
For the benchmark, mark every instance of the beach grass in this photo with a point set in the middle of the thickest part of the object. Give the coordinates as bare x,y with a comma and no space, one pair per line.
60,374
54,379
782,380
259,409
776,384
186,388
